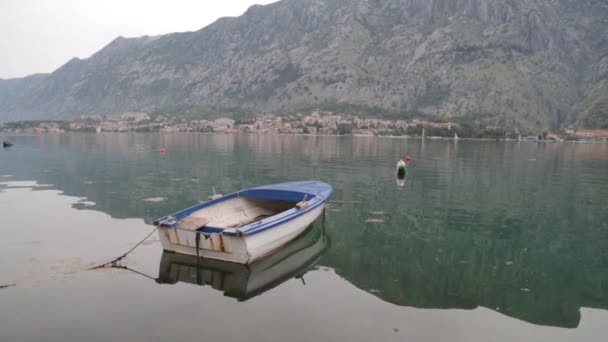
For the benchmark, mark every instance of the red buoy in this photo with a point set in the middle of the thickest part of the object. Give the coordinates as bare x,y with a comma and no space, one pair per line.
408,159
163,150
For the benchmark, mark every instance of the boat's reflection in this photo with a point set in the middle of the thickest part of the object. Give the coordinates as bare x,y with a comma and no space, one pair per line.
246,281
401,178
401,182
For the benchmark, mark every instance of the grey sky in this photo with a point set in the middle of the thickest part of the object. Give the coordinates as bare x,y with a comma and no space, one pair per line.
41,35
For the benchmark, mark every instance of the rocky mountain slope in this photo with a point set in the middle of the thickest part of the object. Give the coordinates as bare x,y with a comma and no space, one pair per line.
533,64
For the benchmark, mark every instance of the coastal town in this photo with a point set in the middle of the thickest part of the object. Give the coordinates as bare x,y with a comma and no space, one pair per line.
314,123
318,122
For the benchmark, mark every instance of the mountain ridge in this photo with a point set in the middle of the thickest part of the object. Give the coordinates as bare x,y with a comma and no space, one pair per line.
526,64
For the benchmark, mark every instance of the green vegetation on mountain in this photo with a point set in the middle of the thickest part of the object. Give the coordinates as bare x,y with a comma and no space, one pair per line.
527,64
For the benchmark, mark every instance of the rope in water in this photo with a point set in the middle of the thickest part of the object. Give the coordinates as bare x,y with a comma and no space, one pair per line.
113,262
134,271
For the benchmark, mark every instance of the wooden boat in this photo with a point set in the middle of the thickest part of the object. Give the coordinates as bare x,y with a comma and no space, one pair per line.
244,282
247,225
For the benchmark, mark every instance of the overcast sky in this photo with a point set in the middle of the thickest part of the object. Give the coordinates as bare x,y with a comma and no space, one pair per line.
41,35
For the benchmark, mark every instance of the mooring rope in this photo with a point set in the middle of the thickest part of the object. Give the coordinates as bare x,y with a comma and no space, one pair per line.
113,262
134,271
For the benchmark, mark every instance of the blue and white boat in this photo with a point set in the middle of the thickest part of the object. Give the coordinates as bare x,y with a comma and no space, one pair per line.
245,226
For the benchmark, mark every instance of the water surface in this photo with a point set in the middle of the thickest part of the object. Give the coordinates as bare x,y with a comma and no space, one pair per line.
485,241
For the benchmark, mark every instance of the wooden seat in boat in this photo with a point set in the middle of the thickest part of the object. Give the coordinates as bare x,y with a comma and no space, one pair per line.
192,223
246,222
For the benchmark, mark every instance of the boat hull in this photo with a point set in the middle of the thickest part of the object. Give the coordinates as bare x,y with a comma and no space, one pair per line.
243,249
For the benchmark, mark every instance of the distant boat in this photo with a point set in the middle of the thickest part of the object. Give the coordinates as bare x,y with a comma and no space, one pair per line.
244,282
401,169
6,144
247,225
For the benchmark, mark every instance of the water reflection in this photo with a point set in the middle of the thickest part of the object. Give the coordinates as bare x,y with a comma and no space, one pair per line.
542,276
244,282
517,228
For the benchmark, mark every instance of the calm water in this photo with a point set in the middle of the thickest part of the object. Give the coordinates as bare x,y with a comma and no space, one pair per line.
486,241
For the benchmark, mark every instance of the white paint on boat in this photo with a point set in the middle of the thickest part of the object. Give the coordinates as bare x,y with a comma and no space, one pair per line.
243,229
239,249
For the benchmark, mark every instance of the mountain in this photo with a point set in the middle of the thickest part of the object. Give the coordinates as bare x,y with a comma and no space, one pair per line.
530,64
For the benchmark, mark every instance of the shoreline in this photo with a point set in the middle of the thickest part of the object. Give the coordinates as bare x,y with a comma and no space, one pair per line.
432,138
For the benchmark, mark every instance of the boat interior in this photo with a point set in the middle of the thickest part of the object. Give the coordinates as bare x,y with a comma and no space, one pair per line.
401,173
235,212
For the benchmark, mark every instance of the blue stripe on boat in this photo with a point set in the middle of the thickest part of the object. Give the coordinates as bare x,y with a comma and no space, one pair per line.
316,193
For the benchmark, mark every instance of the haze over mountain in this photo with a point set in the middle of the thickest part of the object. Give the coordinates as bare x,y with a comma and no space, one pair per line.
531,64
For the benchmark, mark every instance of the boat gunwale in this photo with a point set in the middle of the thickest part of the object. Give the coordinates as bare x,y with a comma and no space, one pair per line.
316,199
